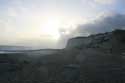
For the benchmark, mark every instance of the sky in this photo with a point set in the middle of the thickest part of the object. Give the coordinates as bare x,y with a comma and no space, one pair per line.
50,23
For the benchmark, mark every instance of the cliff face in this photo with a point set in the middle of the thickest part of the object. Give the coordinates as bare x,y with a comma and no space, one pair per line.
79,42
111,41
90,41
100,56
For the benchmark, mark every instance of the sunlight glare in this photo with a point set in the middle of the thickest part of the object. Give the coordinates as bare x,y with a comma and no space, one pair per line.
51,28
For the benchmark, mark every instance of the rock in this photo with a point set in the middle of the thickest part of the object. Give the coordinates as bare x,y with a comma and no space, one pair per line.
71,72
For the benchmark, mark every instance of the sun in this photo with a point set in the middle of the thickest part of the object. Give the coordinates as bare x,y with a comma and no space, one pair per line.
51,27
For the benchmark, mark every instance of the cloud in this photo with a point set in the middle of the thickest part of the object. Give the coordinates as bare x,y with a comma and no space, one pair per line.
105,1
103,24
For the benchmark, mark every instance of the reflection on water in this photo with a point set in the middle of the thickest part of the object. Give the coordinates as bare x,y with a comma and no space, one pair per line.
7,52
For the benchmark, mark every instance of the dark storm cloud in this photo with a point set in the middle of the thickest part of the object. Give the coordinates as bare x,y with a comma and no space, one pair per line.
104,24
